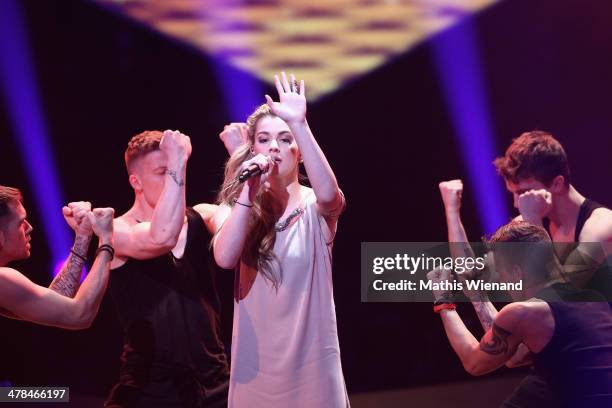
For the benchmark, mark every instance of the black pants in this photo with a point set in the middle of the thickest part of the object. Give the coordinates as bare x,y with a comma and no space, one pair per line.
166,394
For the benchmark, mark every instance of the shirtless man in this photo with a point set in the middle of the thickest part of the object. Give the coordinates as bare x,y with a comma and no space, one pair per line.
63,304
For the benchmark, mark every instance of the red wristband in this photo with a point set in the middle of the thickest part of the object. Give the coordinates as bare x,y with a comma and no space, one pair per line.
444,306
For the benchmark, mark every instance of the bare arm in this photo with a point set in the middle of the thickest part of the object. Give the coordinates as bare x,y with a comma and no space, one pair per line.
145,240
495,348
22,298
451,192
292,109
68,280
232,225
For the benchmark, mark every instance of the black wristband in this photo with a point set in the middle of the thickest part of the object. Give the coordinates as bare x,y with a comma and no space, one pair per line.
106,248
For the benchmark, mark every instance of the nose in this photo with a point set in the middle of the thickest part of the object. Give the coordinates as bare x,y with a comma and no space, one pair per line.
29,227
274,146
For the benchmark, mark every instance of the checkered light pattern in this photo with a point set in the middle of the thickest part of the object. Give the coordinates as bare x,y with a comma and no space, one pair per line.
326,42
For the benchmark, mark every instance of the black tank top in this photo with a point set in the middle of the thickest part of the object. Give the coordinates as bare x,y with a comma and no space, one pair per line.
586,209
602,277
169,311
577,362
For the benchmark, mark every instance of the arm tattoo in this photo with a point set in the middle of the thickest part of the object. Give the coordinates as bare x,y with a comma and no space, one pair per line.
485,317
498,343
174,176
67,282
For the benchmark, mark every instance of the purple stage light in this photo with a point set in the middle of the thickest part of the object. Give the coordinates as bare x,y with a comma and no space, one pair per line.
18,81
457,63
242,91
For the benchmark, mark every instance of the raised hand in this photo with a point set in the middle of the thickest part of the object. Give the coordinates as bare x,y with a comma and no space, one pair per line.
75,214
176,145
292,99
102,223
451,192
233,136
534,205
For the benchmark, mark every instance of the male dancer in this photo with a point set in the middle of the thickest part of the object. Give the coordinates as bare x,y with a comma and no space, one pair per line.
536,171
537,160
162,286
63,304
571,340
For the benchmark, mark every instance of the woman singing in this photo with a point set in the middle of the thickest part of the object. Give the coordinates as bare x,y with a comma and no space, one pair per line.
279,235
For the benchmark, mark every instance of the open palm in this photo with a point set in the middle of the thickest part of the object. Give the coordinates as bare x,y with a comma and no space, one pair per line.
292,99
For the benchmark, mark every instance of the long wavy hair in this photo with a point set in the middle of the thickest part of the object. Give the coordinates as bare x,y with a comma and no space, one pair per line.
258,248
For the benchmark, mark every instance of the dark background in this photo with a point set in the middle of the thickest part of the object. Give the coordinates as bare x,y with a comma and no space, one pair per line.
547,64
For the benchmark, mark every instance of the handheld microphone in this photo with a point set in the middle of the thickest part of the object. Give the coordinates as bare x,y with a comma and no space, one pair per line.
249,172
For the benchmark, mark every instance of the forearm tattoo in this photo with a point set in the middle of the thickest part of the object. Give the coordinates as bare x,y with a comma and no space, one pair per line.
498,344
67,282
175,177
484,315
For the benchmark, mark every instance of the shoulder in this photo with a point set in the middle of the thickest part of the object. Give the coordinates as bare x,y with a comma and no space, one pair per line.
598,227
8,273
518,315
13,282
206,211
124,221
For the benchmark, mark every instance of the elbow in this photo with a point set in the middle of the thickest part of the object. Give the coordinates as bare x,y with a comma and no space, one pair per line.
474,368
83,325
330,201
330,197
223,258
165,243
82,319
82,322
164,237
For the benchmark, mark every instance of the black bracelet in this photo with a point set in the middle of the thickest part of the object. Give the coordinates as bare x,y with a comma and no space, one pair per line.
106,248
81,257
244,205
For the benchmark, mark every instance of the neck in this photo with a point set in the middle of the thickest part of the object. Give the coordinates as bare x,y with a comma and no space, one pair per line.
566,208
141,210
4,260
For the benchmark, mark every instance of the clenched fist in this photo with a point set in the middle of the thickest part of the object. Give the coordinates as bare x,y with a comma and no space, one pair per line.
451,192
534,205
102,223
75,214
233,136
176,145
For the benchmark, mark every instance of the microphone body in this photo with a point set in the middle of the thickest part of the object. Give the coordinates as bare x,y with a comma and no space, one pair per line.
252,170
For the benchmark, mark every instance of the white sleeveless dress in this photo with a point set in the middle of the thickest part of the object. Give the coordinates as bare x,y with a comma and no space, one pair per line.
285,350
